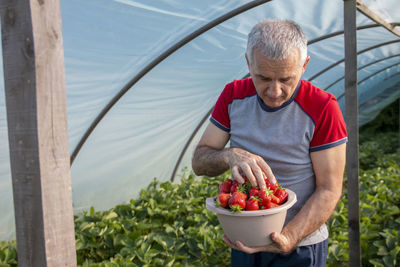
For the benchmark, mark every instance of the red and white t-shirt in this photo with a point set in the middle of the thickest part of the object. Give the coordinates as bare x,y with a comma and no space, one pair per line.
309,121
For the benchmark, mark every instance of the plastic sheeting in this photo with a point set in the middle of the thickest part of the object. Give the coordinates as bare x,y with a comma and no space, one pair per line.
106,43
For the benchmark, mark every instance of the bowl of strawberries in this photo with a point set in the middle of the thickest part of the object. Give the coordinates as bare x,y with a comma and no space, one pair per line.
249,214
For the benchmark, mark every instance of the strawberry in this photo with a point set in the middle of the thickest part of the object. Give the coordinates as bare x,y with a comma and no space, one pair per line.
252,203
267,196
264,196
270,185
222,199
253,192
225,186
234,186
275,199
281,194
233,196
273,205
244,177
237,201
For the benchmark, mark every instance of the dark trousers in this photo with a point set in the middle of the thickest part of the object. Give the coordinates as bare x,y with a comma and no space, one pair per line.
305,256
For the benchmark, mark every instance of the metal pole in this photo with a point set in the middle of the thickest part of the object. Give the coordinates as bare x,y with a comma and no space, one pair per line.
352,164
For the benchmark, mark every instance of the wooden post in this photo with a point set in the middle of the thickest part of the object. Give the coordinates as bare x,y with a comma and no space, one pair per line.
352,164
37,128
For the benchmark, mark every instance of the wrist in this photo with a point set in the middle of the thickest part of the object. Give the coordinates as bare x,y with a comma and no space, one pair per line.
292,237
226,156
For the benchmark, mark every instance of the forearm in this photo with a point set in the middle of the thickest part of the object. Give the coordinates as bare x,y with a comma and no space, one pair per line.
317,210
209,161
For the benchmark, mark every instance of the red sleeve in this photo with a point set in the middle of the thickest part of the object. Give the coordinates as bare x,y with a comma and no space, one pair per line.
220,114
330,128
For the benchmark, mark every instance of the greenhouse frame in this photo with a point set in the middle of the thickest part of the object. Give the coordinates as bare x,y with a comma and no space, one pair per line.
101,96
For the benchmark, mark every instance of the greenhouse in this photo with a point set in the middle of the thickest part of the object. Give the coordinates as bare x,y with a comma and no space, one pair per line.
139,80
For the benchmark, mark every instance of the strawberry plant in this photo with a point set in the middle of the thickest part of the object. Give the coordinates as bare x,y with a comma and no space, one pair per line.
8,254
166,226
379,207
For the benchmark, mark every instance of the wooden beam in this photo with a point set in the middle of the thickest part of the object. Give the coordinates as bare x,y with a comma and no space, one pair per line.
352,164
37,127
375,17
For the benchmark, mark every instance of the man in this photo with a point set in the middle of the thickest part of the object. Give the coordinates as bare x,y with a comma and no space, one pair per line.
286,129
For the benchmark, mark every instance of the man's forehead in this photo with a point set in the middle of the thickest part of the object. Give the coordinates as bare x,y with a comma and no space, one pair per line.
293,53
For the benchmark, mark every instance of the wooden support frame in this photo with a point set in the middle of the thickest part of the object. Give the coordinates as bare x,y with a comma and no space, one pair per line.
351,116
37,128
375,17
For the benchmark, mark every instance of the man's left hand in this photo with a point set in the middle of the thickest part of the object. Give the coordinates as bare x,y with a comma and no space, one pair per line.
280,244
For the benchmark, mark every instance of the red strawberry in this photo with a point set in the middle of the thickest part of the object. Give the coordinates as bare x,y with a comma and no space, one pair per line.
275,199
237,202
264,195
225,186
222,199
234,186
252,203
270,185
267,196
253,192
281,194
274,205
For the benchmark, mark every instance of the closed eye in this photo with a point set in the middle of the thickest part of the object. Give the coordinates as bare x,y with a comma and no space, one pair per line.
285,80
263,78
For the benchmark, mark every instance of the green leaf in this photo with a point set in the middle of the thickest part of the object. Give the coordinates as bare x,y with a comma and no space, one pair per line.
377,262
110,215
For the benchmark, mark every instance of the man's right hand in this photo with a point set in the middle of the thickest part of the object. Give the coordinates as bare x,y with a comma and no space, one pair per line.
254,167
211,158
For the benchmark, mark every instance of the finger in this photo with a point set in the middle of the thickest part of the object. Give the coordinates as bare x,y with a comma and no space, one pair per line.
277,238
260,178
249,174
268,172
229,242
251,250
236,174
280,241
246,249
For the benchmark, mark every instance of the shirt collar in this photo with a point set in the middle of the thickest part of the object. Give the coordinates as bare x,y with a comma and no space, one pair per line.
269,109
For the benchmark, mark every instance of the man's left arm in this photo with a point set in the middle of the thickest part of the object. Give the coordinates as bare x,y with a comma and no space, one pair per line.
329,167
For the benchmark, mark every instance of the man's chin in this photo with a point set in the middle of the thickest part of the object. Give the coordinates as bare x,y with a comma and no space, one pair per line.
273,104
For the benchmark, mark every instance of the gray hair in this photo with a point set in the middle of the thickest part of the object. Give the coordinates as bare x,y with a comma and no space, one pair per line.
276,39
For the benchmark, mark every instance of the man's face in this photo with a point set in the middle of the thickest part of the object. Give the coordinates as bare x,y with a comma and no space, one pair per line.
276,80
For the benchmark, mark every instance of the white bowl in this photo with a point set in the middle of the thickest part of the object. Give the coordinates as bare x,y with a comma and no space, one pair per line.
252,228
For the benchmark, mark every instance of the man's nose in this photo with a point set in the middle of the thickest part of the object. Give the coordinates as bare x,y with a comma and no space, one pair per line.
274,89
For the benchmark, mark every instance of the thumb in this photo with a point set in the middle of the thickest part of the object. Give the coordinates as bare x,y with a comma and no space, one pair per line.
282,242
278,238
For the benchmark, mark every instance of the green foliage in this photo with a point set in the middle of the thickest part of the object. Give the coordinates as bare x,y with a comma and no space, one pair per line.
383,151
379,207
166,226
386,121
8,254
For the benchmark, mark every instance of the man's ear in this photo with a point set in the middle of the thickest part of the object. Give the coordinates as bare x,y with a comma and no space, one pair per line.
247,60
305,64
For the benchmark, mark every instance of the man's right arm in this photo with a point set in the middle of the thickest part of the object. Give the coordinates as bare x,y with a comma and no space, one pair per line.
210,157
